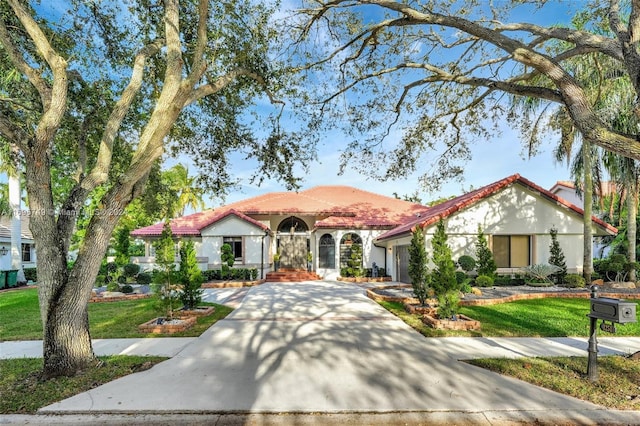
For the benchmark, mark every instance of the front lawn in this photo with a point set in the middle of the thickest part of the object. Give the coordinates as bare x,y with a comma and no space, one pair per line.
20,317
550,317
24,391
616,388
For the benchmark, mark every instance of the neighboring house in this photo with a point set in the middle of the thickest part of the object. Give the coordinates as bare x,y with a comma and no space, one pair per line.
27,249
567,191
514,213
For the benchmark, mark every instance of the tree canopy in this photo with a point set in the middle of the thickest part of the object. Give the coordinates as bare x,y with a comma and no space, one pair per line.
94,93
416,77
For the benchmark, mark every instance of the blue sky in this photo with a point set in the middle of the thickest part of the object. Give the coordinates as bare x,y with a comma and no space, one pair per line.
492,159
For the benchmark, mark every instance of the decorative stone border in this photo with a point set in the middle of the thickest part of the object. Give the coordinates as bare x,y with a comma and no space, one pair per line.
100,299
414,308
231,284
463,323
556,294
201,311
363,279
153,326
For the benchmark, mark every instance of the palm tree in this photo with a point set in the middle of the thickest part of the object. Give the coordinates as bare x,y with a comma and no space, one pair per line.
187,193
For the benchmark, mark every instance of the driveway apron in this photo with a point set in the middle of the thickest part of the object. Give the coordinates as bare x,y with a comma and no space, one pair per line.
314,347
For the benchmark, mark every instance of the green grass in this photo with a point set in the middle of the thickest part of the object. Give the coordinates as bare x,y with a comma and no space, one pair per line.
617,386
550,317
24,392
20,317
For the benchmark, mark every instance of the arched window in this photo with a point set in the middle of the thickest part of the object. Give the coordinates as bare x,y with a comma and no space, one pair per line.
327,252
293,224
346,243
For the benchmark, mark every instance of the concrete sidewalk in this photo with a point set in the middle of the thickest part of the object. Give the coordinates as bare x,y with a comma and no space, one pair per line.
291,351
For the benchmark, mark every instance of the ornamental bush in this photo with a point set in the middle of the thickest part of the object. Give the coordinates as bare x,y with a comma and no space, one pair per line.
467,263
418,271
484,281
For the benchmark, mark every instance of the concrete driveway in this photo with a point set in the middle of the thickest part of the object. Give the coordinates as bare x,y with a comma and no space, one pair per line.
320,347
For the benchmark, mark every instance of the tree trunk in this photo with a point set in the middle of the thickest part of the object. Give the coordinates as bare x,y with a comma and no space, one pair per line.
632,213
67,344
587,268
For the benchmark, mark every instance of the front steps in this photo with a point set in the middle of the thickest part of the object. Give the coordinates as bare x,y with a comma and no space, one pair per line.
291,275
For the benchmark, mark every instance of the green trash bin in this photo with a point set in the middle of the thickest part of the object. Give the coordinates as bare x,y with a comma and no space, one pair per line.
3,280
12,278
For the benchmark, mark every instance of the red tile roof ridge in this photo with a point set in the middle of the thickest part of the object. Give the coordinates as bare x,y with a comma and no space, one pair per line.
447,208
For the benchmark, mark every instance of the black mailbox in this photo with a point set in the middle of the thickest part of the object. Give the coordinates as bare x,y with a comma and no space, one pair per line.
615,310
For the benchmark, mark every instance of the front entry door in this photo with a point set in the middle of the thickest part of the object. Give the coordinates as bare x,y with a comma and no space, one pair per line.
402,264
293,251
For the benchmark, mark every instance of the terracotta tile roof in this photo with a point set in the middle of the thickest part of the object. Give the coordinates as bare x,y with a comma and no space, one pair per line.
449,207
339,206
193,224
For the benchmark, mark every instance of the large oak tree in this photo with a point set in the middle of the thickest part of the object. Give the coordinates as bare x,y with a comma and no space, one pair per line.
413,77
94,94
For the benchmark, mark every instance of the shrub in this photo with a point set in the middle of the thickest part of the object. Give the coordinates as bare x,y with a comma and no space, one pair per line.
190,276
121,279
448,304
31,274
126,289
461,277
144,278
574,281
485,264
355,261
484,281
100,280
467,263
418,271
465,287
130,270
254,274
540,273
113,286
556,258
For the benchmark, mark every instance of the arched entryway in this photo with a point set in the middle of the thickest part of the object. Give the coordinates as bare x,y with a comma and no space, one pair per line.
293,243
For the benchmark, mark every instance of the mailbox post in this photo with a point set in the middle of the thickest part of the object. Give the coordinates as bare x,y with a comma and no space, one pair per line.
607,309
592,365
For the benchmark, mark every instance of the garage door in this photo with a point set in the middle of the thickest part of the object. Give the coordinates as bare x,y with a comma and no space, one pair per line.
402,264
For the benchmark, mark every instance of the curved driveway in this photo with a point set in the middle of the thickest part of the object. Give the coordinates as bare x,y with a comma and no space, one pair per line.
319,347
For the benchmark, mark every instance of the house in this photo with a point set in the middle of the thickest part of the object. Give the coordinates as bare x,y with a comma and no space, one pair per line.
567,190
324,221
27,249
514,213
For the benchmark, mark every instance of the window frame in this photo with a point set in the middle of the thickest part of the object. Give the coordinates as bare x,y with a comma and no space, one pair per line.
510,247
327,260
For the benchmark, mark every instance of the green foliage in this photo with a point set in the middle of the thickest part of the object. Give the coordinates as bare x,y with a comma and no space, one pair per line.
540,273
556,257
355,261
418,271
484,281
166,283
467,263
143,278
574,281
31,274
126,289
485,264
113,286
448,304
122,246
443,278
616,267
190,276
130,270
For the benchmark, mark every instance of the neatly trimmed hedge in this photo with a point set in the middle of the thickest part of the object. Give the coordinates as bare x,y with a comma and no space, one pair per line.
31,274
240,274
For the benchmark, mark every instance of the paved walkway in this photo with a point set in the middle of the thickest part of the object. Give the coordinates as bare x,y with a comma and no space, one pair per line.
309,348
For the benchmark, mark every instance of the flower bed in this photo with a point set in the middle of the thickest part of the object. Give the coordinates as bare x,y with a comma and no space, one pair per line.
167,326
462,323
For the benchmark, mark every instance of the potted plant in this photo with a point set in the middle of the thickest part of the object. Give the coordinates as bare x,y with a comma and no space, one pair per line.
276,261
